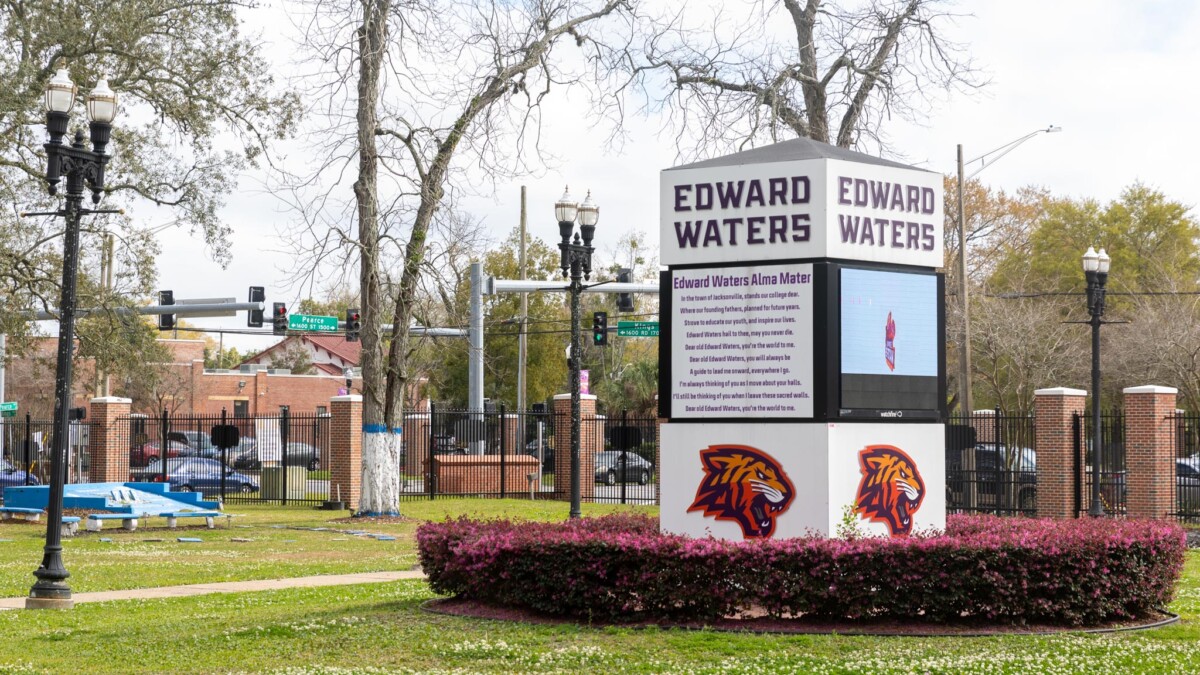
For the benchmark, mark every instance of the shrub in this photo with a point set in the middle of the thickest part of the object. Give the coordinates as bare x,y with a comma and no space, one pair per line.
619,568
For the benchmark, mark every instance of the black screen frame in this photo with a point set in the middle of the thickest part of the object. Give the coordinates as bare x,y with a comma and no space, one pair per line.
826,342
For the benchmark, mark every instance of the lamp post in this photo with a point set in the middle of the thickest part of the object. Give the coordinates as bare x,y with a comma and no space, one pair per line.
1095,268
79,166
964,361
577,265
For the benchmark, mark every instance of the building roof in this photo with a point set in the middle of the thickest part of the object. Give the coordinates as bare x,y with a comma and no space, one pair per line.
329,369
795,149
350,352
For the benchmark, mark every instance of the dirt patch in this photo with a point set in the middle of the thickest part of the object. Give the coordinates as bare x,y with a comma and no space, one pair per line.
476,610
375,519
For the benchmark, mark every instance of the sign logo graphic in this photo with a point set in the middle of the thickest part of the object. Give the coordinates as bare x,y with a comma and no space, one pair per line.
891,489
745,485
889,343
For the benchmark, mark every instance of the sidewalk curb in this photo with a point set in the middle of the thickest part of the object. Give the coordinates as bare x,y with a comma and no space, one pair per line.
232,587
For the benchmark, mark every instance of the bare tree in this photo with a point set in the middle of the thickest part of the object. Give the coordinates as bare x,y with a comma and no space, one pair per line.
439,87
830,73
1022,345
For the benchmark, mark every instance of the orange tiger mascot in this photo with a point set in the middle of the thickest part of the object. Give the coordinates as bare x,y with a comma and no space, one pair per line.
891,489
745,485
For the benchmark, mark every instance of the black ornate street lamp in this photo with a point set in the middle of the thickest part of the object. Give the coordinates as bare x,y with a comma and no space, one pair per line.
1095,267
577,265
79,166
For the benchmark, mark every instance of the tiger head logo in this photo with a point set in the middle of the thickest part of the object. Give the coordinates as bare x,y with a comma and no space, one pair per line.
745,485
891,489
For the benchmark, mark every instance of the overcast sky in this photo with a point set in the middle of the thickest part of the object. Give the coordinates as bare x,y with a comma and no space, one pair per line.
1117,76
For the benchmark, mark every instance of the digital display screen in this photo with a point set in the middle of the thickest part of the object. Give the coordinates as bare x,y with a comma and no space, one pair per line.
889,342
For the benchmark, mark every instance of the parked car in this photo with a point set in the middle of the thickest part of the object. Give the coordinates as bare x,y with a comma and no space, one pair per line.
1113,487
198,440
1004,477
298,454
1187,484
11,475
531,449
627,467
195,474
143,454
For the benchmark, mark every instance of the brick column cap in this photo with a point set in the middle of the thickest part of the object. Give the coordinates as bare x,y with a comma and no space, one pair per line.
1060,391
111,399
352,398
567,397
1150,389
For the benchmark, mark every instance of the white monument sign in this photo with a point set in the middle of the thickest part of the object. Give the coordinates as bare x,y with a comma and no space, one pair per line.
800,199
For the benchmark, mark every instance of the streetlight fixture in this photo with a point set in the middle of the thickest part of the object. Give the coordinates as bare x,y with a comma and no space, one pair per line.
964,362
577,265
1095,268
81,167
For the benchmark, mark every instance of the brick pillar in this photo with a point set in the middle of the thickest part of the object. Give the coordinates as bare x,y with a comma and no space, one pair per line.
514,438
345,446
416,443
587,447
1150,451
108,440
1056,472
984,424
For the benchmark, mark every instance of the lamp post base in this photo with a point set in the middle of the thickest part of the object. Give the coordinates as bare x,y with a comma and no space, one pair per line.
59,599
1096,510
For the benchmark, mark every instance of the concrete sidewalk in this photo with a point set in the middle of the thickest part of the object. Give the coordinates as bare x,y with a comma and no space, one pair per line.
231,587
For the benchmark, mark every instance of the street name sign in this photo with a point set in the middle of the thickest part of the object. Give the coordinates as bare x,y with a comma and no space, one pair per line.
637,329
310,322
8,409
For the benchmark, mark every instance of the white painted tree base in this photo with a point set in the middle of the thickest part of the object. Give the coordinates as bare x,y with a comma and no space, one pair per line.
380,474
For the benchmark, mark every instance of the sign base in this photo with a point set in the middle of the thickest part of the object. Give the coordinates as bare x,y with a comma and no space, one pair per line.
752,480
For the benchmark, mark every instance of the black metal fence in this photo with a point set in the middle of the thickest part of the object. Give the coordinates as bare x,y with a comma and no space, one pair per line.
497,453
991,465
1187,466
25,447
1112,461
282,458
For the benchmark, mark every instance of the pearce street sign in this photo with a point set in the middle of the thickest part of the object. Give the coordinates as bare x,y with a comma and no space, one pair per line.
309,322
637,329
8,409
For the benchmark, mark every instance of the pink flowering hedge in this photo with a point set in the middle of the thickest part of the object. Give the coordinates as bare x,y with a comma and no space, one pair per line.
620,568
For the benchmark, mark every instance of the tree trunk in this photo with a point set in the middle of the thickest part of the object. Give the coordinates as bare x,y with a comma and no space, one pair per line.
380,447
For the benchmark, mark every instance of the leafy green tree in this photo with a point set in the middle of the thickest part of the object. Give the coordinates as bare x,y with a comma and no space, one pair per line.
222,359
1023,335
548,331
1152,242
185,74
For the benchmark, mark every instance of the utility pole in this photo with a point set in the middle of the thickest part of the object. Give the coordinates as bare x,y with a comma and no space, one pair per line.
104,379
523,319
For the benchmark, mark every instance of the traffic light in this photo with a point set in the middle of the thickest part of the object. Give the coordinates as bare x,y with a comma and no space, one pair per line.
600,328
254,318
624,300
353,324
279,320
166,321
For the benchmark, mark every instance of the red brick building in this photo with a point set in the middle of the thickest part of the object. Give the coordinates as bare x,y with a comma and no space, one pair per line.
186,387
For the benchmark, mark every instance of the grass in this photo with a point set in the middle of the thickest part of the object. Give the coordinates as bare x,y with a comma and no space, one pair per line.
380,628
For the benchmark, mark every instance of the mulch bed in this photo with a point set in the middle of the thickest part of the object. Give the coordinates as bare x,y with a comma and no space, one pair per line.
799,626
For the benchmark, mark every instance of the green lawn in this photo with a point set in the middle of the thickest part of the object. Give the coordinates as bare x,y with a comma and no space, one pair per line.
380,628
